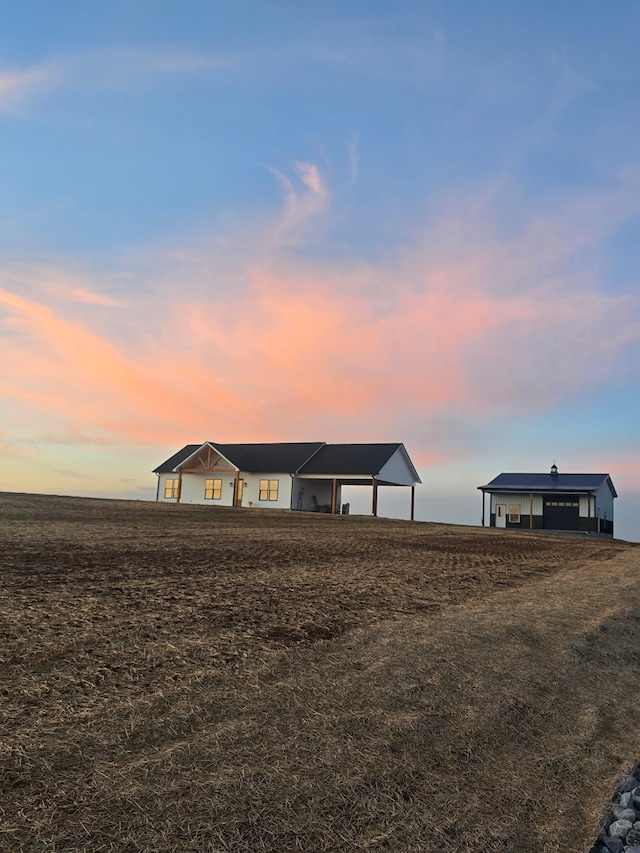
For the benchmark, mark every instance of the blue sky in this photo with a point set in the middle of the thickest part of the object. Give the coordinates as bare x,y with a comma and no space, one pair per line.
246,221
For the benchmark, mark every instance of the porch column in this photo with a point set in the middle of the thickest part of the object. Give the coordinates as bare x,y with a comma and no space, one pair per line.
413,501
483,503
531,511
334,496
179,487
374,507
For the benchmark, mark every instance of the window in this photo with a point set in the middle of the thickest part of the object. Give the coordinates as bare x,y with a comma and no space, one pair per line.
212,490
268,490
171,488
514,513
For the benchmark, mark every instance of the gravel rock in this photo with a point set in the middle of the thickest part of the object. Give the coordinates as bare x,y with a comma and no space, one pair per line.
620,828
624,814
627,784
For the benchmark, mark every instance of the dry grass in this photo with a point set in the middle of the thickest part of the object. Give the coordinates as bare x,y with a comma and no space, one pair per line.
189,678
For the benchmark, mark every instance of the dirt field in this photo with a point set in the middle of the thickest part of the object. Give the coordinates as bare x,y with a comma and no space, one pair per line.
190,678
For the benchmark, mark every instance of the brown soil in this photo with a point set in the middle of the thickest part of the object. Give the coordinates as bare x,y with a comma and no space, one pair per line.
190,678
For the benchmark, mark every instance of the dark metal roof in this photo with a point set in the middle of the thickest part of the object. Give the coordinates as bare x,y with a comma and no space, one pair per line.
310,457
548,483
360,459
285,457
172,463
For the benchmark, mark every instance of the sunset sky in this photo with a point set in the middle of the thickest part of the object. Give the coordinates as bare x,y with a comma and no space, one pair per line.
346,220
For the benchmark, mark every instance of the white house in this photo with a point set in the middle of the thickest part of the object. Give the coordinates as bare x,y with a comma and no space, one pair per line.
553,501
299,476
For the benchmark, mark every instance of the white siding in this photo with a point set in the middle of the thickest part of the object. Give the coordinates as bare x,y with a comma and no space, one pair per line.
523,500
604,502
397,471
193,489
252,491
585,511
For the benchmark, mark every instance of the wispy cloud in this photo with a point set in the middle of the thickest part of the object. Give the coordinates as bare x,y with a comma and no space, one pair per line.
120,66
57,282
19,85
74,294
300,206
352,48
100,69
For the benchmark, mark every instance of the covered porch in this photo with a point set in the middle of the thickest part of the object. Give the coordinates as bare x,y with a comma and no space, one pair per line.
324,493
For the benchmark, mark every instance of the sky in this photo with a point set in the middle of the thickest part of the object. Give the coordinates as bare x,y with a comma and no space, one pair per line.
353,221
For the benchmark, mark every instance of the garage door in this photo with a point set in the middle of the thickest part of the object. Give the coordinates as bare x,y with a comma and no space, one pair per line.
562,513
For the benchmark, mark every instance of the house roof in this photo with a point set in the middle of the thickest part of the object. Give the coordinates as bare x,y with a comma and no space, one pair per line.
355,459
304,458
257,458
548,483
287,457
172,463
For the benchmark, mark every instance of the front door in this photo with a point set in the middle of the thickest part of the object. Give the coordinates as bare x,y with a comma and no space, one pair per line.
501,515
239,489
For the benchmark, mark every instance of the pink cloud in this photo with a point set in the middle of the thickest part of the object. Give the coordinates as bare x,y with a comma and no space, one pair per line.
310,177
66,370
622,465
467,324
86,296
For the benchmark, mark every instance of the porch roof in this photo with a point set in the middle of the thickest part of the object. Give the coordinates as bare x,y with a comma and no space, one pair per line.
351,462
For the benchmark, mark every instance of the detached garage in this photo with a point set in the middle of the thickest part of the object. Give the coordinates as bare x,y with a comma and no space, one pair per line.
573,502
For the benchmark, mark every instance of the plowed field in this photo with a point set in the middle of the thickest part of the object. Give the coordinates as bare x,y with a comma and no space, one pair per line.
190,678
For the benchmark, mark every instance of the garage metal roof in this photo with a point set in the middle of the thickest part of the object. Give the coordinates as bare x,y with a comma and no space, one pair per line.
549,483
